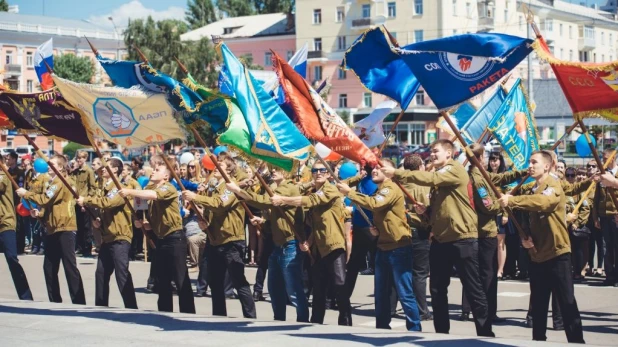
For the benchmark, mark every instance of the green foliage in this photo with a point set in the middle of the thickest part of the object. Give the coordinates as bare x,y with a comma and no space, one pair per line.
70,148
273,6
200,13
236,8
4,6
247,59
345,115
74,68
160,42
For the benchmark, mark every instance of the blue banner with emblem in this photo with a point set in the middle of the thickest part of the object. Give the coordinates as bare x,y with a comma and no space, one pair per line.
514,127
457,68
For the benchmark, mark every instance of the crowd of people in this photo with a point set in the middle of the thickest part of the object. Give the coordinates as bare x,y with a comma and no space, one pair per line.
313,230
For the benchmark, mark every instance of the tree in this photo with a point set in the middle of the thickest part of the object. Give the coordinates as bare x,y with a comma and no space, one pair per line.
273,6
236,8
200,13
74,68
247,59
4,6
70,148
160,42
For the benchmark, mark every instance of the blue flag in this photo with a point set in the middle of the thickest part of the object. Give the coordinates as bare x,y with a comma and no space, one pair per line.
272,133
457,68
477,123
127,74
513,126
460,117
379,67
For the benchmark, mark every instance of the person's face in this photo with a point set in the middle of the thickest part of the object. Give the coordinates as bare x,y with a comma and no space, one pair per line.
606,158
159,174
581,176
183,171
217,174
377,176
570,176
591,167
192,168
276,175
80,161
197,156
27,163
320,173
53,162
439,155
560,167
10,161
494,163
96,164
126,171
537,166
134,166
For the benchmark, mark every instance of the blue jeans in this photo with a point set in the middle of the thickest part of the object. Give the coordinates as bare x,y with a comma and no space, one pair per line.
395,266
285,271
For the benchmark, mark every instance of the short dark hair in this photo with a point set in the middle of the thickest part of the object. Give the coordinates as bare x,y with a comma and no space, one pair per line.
477,149
445,143
117,163
13,155
412,162
387,162
138,161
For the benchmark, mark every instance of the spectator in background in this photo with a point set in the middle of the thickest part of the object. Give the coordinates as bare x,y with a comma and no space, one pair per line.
136,165
497,165
596,236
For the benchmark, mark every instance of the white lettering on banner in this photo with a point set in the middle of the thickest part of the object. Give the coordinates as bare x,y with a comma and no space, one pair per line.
432,66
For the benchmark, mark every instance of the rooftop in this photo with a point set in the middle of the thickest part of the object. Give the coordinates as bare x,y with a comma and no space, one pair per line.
572,9
54,26
241,27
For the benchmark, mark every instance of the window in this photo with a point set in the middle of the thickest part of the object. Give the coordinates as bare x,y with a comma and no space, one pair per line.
419,98
506,15
561,53
418,35
341,44
521,23
367,100
9,57
454,7
340,14
13,84
29,59
602,58
418,7
366,10
602,38
317,72
454,31
268,59
342,74
560,29
584,56
611,57
29,86
343,100
588,32
594,57
570,31
468,10
611,40
548,25
417,133
290,54
317,44
392,9
317,16
570,55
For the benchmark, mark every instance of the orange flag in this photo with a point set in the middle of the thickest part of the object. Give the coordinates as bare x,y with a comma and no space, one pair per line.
316,120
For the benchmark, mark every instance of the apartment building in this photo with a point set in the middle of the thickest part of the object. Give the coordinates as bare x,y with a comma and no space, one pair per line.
20,35
573,32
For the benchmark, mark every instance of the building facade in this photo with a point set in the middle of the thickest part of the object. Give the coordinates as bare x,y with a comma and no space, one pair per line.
20,35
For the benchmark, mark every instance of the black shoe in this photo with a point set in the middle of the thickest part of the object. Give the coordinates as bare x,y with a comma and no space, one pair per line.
528,322
616,284
200,294
558,327
151,288
231,296
368,271
464,317
257,296
427,316
499,320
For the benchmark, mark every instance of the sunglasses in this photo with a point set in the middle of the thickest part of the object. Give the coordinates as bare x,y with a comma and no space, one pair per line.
494,158
591,166
191,166
570,176
321,170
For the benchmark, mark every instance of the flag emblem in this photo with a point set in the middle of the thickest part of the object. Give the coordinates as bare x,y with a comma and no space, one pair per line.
113,116
465,67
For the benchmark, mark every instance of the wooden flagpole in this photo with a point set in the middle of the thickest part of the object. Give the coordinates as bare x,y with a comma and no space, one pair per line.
112,176
579,204
393,128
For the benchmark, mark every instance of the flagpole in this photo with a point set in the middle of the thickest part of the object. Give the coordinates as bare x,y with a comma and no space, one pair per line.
479,140
399,117
6,172
112,176
579,204
477,163
553,147
596,157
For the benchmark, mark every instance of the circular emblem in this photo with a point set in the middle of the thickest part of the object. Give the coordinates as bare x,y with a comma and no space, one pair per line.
465,67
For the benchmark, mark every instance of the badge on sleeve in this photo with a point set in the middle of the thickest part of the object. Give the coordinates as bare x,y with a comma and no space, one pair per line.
164,188
379,197
445,169
482,192
384,191
548,191
320,193
112,193
51,191
585,203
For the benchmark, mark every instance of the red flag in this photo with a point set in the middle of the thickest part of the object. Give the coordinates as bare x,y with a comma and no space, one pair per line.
318,121
590,88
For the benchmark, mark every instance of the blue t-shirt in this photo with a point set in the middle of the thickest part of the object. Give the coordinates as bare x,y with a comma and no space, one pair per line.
367,187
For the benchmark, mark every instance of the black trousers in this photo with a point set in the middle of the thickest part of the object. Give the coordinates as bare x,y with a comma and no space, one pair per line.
488,274
137,242
596,242
8,245
578,247
171,265
420,270
202,277
262,265
330,269
610,236
463,254
228,257
362,243
114,258
84,231
61,246
554,274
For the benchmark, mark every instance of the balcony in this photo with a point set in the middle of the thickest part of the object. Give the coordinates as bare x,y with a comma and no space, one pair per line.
316,56
587,44
12,69
366,23
486,24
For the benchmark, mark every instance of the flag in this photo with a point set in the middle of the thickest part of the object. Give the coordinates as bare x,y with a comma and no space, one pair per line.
457,68
514,127
47,113
128,117
214,109
369,129
590,88
44,54
316,119
477,123
271,133
224,84
299,62
459,118
127,74
372,57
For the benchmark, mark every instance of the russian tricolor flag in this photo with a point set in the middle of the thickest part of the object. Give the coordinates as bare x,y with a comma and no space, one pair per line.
44,52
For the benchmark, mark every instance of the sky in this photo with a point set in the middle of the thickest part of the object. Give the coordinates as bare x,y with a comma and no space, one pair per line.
99,11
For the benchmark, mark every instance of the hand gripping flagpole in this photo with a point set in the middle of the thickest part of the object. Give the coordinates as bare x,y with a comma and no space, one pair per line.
113,176
477,163
581,201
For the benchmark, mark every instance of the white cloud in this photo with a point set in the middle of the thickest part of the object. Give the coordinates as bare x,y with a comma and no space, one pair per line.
135,10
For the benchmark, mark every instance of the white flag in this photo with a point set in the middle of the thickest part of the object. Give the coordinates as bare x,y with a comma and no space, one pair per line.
369,130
